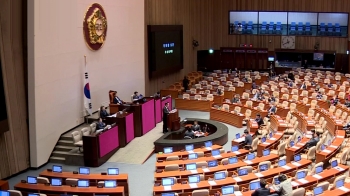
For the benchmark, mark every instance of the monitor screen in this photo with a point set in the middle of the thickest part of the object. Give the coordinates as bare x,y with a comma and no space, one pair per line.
191,166
282,162
276,181
242,172
57,168
263,167
323,147
318,169
219,175
213,163
167,181
318,190
194,179
234,148
297,157
110,183
113,171
254,185
30,194
83,183
84,170
266,152
318,56
189,147
339,183
291,144
208,144
299,139
271,134
334,163
31,180
168,194
215,152
226,190
301,175
56,182
251,156
271,58
168,150
238,136
263,139
192,156
232,160
4,193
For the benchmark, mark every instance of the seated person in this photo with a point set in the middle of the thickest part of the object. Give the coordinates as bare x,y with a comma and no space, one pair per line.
319,95
189,133
157,95
196,126
313,141
248,139
236,99
218,91
272,109
290,84
259,120
336,100
263,191
205,129
313,83
330,85
285,187
100,124
244,79
303,86
291,76
116,99
254,86
256,95
136,96
272,99
103,112
347,103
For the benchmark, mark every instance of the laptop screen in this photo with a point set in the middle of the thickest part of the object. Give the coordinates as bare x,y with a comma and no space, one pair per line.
219,175
208,144
168,194
232,160
329,142
276,181
56,182
83,183
4,193
84,170
339,183
299,139
254,185
301,175
318,169
266,152
226,190
110,183
57,168
31,180
192,156
238,136
113,171
213,163
263,139
263,167
193,179
318,190
189,147
30,194
281,162
168,150
323,147
297,157
234,148
167,181
334,163
242,172
215,152
191,166
291,143
251,156
271,134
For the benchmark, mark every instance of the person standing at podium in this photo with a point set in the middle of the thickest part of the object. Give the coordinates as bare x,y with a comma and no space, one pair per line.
166,112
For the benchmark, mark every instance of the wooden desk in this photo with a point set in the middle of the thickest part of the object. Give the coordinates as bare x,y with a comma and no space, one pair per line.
41,188
122,179
227,117
305,123
4,185
296,149
332,123
277,123
252,126
304,108
269,144
181,154
189,104
281,111
172,92
332,149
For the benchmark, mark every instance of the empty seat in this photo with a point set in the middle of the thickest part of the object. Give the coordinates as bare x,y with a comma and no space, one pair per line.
77,139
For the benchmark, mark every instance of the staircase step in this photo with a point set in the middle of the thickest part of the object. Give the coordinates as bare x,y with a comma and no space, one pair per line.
64,148
64,153
65,143
66,137
54,159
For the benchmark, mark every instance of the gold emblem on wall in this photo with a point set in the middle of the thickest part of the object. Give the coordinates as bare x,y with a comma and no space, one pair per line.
95,27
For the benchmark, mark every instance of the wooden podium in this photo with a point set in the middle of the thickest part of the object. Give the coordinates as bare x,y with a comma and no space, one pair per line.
173,120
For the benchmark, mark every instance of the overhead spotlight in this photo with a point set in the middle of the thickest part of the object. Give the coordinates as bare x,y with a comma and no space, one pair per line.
195,43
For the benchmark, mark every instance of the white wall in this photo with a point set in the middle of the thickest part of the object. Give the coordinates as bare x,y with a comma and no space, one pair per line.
302,17
273,17
244,16
56,67
333,18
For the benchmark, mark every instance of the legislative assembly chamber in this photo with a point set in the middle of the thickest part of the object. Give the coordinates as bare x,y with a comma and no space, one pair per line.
174,98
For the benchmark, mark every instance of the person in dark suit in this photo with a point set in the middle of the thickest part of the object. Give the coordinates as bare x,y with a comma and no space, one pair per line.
205,129
103,112
100,124
314,140
236,99
272,109
116,99
189,133
305,64
259,120
248,139
136,95
196,126
262,191
166,112
254,86
303,86
185,83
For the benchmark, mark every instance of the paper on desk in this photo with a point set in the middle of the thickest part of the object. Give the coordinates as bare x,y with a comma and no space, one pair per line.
167,188
296,164
317,176
259,175
326,151
190,151
332,146
194,185
194,171
237,152
272,138
239,139
296,147
217,156
308,136
238,193
208,148
248,162
237,179
301,144
212,182
295,183
278,133
266,143
343,188
206,170
303,181
339,136
338,168
286,167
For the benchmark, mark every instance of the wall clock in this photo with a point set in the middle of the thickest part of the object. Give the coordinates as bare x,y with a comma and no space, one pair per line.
288,42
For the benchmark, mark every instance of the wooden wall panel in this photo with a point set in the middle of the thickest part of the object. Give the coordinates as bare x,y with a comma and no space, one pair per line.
207,22
14,148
